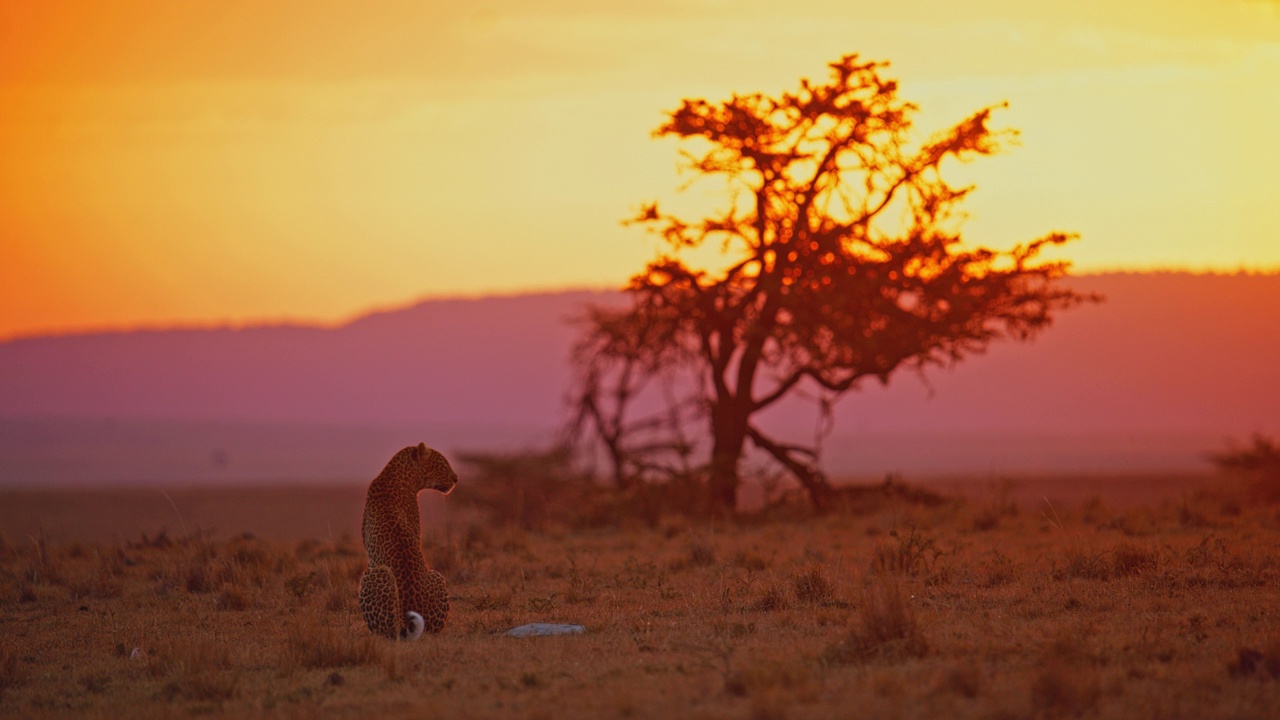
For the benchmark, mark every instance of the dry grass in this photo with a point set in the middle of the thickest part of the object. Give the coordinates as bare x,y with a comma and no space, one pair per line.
909,610
314,641
886,626
203,670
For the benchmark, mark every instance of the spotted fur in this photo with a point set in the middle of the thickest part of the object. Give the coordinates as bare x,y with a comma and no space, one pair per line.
399,595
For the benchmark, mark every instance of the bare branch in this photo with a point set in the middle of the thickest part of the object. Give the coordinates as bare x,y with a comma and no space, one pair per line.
813,282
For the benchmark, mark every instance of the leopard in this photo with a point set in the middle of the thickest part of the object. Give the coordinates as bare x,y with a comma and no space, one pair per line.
400,595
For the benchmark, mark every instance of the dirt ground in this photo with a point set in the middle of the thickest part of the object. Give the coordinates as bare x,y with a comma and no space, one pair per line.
1008,602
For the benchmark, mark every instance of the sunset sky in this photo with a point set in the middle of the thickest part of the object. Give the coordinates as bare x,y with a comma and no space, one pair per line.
197,163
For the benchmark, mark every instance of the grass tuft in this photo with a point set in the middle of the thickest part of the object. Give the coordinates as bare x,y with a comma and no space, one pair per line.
1084,564
906,554
313,643
202,670
886,627
232,597
1129,559
773,599
812,586
701,554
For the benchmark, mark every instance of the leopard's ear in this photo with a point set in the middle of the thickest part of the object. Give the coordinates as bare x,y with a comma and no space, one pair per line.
420,450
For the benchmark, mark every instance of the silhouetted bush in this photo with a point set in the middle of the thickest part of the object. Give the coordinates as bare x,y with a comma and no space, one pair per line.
1259,465
529,489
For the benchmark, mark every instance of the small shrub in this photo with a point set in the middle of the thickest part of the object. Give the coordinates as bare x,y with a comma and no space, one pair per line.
701,554
1137,522
493,601
529,490
1258,464
886,627
999,504
1192,513
41,567
100,582
197,578
232,597
26,592
340,599
246,551
1082,564
542,603
95,683
773,598
1129,559
201,574
581,589
869,499
1094,510
1210,551
443,557
749,561
999,570
303,585
249,561
906,554
812,586
986,519
161,541
307,549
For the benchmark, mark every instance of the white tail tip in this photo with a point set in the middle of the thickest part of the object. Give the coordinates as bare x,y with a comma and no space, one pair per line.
416,624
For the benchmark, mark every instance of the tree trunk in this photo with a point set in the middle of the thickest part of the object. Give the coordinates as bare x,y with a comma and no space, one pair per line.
730,433
621,481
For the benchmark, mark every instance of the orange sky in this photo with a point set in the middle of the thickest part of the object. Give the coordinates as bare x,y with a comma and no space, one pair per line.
198,162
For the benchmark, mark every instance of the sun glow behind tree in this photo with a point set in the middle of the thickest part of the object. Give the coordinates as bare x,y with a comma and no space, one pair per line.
842,262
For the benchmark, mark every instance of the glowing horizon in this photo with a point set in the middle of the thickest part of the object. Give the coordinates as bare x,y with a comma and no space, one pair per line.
229,164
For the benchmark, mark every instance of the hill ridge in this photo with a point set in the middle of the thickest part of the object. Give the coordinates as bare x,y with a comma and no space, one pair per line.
1187,358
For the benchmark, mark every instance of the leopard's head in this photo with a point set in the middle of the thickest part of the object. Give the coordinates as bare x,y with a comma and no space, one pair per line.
431,471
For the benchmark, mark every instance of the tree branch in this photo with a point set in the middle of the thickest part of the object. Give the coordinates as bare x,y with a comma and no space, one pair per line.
812,480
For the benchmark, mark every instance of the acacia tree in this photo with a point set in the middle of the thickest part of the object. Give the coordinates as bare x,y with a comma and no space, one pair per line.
840,259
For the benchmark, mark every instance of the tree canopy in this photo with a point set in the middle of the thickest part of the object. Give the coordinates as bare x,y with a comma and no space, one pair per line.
840,260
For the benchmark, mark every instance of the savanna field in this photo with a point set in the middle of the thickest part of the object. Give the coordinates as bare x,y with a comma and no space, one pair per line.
904,604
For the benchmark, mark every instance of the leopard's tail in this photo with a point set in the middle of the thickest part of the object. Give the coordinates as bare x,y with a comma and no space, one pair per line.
414,625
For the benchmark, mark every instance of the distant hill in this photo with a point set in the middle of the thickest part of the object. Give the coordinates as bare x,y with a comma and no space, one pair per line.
1169,366
498,359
